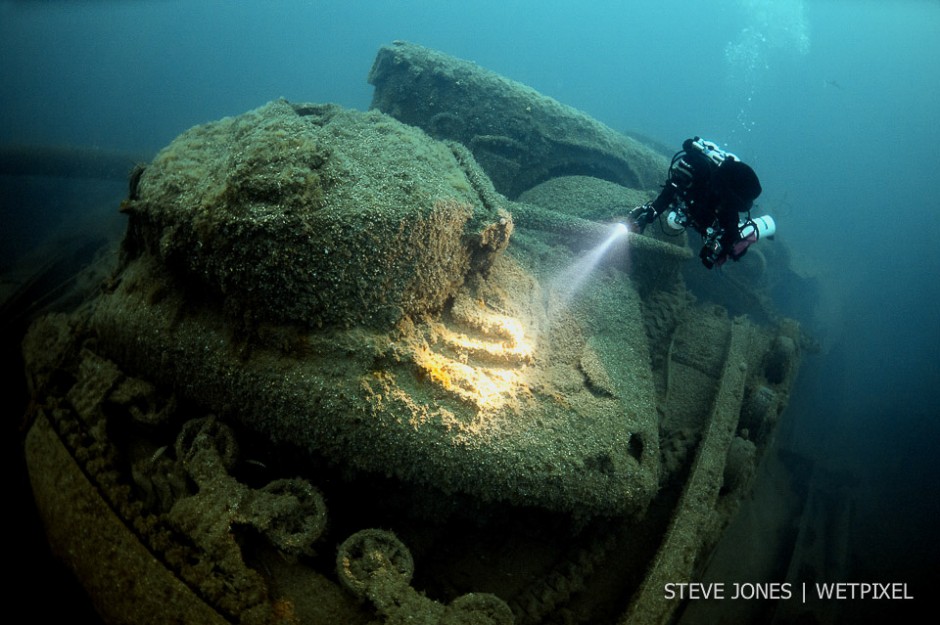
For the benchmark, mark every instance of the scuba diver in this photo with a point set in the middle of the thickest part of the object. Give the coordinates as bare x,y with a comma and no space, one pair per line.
707,188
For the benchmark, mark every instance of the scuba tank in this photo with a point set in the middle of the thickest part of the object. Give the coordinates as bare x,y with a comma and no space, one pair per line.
763,227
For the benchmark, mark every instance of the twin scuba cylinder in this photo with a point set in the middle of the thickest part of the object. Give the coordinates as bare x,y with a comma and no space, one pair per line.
750,231
763,227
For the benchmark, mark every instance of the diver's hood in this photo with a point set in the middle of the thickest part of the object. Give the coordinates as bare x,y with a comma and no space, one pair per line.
738,182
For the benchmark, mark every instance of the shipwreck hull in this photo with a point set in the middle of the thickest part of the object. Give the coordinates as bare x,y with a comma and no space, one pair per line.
338,376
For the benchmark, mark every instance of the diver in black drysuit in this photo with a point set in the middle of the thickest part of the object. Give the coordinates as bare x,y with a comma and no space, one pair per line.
706,188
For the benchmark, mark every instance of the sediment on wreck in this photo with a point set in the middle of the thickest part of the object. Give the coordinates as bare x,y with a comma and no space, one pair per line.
288,215
341,282
519,136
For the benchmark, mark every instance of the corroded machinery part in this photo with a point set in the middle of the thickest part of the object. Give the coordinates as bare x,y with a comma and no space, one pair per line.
97,514
210,436
294,514
477,608
519,136
290,513
375,565
371,555
315,214
97,542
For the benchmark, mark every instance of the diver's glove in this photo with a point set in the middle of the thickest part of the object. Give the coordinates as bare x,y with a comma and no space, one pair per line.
639,217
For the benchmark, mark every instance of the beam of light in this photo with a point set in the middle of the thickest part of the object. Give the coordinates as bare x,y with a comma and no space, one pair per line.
569,282
488,370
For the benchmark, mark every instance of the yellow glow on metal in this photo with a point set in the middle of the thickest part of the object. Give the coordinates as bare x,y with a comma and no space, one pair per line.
486,372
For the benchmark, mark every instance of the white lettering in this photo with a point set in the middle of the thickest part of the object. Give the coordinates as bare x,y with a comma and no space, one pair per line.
824,591
693,590
863,590
773,590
